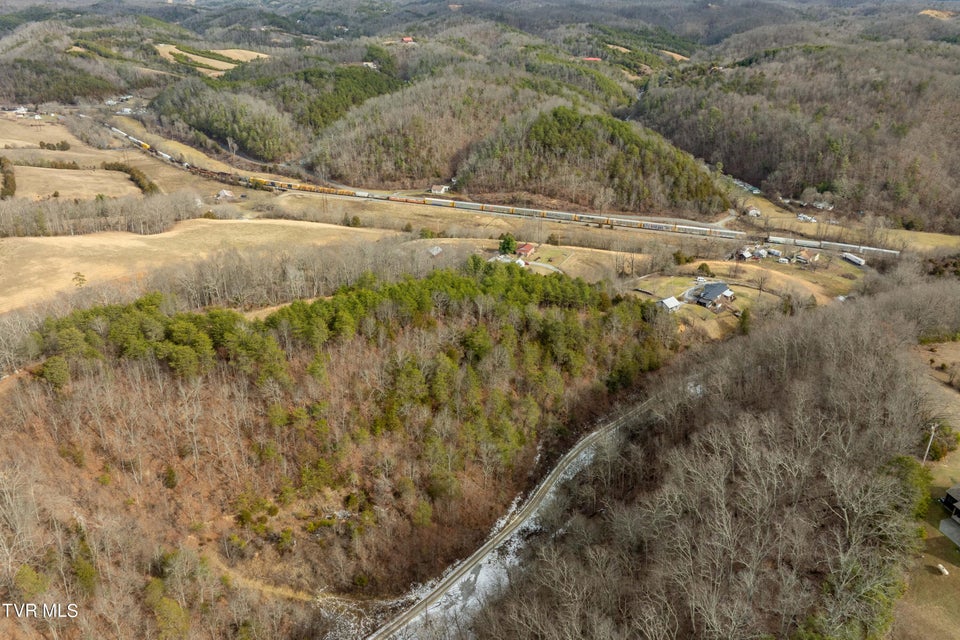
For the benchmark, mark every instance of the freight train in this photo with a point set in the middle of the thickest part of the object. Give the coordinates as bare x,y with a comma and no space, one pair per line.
560,216
833,246
505,210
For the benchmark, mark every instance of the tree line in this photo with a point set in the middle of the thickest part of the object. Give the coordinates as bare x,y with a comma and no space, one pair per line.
8,188
138,177
20,218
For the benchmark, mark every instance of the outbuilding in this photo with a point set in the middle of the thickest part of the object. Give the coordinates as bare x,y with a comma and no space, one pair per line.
526,250
671,304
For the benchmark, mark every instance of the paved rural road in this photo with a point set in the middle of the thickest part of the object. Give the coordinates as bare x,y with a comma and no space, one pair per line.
533,503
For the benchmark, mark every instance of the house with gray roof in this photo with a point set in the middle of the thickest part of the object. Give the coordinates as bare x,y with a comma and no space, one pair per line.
950,527
714,294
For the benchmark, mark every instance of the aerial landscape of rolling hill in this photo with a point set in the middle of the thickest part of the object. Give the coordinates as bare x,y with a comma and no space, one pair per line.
389,319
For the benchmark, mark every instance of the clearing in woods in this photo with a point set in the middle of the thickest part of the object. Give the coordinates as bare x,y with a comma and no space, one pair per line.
675,56
243,55
17,133
938,14
824,283
209,66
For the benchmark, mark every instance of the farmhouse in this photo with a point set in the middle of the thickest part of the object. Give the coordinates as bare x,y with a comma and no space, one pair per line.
715,294
439,189
526,250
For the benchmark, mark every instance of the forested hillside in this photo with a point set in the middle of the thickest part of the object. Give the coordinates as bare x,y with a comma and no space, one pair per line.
74,58
593,161
852,115
771,491
402,107
355,444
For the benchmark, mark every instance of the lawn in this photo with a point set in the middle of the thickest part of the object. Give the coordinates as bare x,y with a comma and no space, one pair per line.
929,608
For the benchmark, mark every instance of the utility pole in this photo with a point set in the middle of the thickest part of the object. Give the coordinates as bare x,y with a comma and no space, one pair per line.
933,430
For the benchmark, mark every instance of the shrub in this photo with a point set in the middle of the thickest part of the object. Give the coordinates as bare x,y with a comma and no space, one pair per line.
170,479
56,371
30,583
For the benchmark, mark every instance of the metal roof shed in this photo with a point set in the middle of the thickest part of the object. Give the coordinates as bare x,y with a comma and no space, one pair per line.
671,304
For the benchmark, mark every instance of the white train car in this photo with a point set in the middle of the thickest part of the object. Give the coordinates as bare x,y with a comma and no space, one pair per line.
849,257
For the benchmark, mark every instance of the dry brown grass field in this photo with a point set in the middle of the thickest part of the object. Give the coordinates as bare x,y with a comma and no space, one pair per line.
20,142
166,51
676,56
220,67
38,183
37,269
243,55
26,132
824,284
939,14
